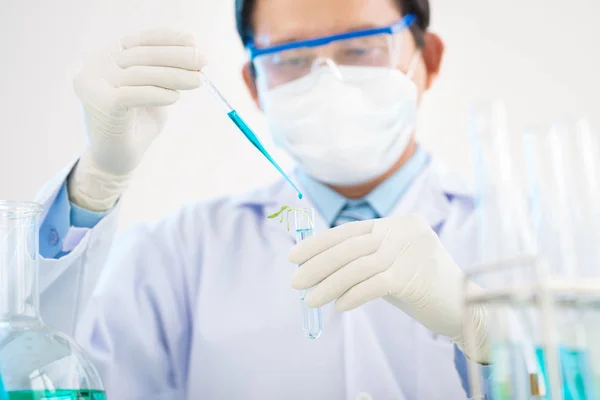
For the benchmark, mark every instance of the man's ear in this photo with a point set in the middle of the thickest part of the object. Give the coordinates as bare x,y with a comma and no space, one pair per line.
433,52
250,81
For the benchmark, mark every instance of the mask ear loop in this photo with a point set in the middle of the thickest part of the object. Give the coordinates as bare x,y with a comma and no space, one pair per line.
413,64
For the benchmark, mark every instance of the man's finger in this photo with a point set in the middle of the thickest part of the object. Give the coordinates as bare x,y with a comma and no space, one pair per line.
362,293
333,259
317,244
188,58
158,37
335,285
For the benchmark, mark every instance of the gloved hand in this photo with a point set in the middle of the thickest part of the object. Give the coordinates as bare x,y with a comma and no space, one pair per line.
400,259
123,96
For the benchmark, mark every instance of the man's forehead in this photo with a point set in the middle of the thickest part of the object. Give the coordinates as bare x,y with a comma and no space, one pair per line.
281,21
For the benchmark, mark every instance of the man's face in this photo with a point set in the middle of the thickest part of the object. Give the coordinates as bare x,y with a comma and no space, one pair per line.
283,21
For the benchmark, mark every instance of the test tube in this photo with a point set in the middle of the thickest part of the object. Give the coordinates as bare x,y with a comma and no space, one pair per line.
502,211
506,240
579,148
312,323
548,169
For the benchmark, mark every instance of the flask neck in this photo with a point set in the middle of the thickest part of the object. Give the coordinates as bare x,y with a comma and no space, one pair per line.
19,253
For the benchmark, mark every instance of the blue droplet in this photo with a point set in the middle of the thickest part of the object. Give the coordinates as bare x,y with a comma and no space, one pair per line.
300,196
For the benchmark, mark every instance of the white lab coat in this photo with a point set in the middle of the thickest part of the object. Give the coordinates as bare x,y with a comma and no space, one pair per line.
199,306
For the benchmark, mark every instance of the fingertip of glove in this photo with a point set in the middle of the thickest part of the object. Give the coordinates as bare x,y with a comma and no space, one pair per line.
293,255
312,302
158,36
201,59
299,281
296,282
182,37
340,306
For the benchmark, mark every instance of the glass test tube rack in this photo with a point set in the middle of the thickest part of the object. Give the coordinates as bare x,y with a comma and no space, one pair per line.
539,259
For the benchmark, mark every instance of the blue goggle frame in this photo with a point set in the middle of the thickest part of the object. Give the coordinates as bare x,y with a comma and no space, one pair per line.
404,23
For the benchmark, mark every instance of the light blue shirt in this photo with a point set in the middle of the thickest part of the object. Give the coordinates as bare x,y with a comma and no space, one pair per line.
63,215
382,199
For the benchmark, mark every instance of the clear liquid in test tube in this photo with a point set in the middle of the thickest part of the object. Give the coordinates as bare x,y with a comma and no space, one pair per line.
312,323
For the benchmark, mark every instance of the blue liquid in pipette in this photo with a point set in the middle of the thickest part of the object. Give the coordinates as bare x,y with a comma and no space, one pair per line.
239,122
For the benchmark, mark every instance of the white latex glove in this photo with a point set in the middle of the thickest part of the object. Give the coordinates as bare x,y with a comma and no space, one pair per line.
124,95
400,259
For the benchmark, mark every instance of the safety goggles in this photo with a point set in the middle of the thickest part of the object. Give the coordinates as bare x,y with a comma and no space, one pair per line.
281,64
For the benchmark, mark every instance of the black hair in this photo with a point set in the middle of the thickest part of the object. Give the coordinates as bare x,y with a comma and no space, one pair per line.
244,10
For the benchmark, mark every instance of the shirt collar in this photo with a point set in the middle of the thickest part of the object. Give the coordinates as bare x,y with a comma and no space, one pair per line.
385,196
382,199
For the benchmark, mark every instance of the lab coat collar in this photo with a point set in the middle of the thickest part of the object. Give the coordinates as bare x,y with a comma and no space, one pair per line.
384,197
431,195
48,193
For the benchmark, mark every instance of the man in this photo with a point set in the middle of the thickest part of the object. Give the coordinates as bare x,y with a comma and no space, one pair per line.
199,305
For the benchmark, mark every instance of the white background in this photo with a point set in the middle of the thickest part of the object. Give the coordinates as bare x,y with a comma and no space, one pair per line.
540,56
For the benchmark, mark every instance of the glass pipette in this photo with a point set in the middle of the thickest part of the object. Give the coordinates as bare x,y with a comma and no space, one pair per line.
245,129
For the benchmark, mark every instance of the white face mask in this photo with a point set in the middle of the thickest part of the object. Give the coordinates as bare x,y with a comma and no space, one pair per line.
344,133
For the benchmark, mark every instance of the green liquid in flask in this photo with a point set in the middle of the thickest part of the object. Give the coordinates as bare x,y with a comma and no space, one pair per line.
36,362
54,395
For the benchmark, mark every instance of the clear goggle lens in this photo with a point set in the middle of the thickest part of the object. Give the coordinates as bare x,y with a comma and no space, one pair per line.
276,69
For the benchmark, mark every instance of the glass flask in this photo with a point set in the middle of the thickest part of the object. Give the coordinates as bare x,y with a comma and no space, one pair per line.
312,323
36,362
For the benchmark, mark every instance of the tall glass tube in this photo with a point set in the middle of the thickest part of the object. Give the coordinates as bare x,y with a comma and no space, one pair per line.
35,362
312,323
506,248
562,171
502,210
579,152
547,162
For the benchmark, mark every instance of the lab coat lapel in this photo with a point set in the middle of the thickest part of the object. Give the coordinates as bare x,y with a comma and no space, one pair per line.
425,197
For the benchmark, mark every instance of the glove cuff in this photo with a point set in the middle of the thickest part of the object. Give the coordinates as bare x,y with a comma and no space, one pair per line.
478,325
93,189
